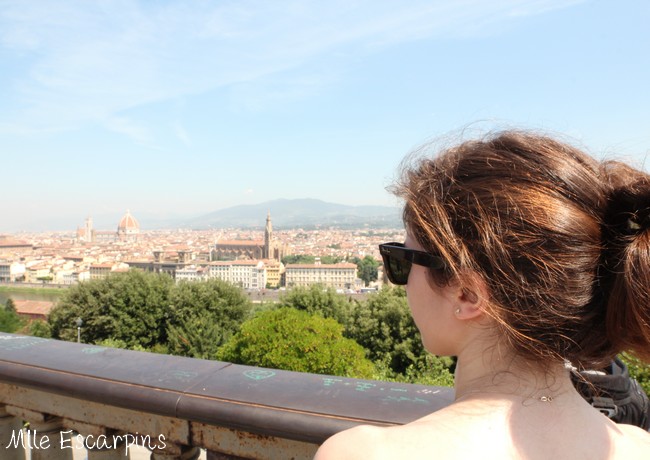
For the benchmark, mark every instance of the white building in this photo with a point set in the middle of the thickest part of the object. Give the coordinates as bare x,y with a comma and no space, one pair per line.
72,276
17,271
248,274
5,271
190,273
338,276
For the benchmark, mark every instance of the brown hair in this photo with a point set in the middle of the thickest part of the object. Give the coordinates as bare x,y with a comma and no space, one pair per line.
561,241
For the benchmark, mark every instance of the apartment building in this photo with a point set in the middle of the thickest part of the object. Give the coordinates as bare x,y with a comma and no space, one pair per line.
190,273
338,276
248,274
102,270
11,271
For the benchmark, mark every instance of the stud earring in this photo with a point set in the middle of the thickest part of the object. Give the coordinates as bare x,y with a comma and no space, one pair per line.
457,311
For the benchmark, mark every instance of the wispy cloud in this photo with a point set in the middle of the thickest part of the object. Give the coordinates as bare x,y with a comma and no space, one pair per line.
131,129
181,133
76,62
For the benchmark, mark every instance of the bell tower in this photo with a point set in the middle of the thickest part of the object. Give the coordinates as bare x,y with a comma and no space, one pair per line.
268,238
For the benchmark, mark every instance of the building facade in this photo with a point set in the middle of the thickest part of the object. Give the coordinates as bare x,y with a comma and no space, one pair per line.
190,273
128,229
274,272
338,276
5,271
248,274
267,248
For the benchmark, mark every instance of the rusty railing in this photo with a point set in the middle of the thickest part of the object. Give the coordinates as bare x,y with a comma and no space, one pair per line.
107,400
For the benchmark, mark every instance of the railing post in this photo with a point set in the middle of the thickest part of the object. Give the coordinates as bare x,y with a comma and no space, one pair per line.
10,429
219,456
100,443
49,440
176,452
108,452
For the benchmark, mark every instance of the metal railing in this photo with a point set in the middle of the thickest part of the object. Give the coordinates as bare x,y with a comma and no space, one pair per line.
111,399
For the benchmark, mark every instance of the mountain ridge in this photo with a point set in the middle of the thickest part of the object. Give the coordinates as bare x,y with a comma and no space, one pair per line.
301,212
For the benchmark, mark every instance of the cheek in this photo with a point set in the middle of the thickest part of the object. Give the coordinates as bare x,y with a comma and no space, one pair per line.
432,318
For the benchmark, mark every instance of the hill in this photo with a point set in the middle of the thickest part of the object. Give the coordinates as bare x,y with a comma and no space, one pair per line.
303,213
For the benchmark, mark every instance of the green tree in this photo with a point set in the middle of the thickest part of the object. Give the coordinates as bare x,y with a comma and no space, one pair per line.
309,259
203,316
298,259
10,305
9,319
116,343
638,370
316,299
40,328
367,268
383,325
289,339
331,259
132,307
428,370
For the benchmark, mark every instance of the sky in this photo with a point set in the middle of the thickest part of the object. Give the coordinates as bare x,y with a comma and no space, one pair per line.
177,109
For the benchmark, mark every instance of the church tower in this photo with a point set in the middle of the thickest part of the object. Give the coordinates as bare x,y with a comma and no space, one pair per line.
268,238
89,231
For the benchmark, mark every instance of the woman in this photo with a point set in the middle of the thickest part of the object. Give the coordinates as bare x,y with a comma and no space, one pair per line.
525,258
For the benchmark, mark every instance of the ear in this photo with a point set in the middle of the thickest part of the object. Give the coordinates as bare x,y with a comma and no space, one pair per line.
471,298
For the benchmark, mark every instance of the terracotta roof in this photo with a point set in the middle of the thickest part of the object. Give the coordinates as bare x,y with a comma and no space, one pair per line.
240,243
14,244
245,262
34,308
128,222
342,265
221,263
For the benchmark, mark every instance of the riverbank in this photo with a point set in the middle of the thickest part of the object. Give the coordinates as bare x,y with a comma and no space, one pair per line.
31,289
29,292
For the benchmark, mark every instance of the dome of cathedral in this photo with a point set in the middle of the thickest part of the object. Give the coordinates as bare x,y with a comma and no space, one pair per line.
128,224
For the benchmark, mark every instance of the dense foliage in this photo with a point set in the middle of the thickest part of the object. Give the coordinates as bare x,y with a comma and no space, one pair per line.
9,319
325,332
294,340
40,328
311,329
148,311
367,268
317,299
638,370
203,316
132,307
309,259
382,325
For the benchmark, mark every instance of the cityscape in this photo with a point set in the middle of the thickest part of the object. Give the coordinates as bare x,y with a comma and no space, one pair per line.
251,259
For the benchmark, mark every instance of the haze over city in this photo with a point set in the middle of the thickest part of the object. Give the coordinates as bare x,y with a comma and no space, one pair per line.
178,109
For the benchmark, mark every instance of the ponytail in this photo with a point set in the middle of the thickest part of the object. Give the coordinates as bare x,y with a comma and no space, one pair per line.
626,239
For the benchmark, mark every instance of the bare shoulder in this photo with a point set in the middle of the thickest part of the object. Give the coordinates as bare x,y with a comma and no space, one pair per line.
633,438
355,443
418,439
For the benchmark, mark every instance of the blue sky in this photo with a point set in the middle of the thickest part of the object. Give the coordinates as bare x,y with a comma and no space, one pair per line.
172,108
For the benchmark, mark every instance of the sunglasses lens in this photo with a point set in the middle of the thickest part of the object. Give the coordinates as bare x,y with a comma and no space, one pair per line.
397,270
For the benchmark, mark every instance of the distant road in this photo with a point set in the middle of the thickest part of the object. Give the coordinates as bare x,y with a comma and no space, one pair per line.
35,285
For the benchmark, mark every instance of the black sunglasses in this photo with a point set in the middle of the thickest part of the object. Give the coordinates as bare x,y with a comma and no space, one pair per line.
398,260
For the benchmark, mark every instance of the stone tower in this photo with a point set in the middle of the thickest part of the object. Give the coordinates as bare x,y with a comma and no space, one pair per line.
268,238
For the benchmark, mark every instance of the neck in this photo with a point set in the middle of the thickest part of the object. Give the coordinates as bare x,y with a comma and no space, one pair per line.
498,374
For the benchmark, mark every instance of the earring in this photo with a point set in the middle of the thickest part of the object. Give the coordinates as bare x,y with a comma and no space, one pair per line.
457,311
